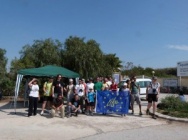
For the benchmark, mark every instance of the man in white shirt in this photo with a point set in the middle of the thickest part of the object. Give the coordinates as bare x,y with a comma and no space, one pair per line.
80,90
90,85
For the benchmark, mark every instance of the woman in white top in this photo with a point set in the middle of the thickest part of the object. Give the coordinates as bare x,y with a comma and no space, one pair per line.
152,95
33,97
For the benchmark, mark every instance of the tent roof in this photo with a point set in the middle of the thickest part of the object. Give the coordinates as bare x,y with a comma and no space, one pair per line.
48,70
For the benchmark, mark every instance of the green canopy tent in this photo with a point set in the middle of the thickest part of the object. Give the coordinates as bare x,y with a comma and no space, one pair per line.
48,70
45,71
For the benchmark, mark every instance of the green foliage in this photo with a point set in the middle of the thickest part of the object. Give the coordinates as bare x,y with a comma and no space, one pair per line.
6,83
87,59
3,63
138,70
173,106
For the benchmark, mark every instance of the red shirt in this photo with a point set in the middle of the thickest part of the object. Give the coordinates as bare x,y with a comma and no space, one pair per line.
113,86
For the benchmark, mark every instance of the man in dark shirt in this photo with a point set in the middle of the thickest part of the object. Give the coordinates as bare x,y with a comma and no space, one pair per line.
74,106
57,87
58,106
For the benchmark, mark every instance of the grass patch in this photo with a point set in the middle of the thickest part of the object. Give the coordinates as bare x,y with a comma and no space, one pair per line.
172,106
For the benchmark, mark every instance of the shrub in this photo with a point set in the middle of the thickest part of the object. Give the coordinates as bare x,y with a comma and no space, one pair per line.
171,105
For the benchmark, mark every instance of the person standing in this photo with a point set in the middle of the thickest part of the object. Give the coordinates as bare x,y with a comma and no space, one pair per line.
57,87
80,91
47,88
105,85
91,101
33,97
152,95
135,90
113,86
70,90
90,85
98,85
124,90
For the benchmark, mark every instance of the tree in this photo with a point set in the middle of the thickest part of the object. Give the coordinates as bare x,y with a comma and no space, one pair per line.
40,53
113,61
6,84
3,62
83,57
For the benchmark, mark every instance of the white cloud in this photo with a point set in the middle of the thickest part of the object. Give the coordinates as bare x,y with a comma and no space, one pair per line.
178,47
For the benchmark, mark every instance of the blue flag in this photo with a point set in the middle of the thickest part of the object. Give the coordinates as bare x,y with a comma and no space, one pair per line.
112,102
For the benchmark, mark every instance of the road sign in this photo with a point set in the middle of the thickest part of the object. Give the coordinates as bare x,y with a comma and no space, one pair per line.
182,68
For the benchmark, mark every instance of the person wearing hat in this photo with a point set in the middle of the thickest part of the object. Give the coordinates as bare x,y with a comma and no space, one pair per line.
152,94
47,98
125,90
33,97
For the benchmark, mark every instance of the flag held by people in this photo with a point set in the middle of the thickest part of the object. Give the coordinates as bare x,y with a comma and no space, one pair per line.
112,102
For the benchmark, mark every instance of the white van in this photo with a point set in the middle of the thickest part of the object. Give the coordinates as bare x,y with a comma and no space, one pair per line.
142,82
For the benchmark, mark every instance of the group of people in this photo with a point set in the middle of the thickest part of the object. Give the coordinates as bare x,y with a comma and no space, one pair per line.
81,97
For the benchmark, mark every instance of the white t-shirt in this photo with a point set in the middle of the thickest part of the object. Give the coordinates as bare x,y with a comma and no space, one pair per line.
152,87
34,92
89,86
78,88
109,83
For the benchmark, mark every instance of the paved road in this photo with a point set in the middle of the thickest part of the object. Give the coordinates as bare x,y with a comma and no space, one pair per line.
19,126
169,131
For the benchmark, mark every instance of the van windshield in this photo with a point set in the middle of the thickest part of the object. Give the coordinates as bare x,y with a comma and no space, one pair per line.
143,84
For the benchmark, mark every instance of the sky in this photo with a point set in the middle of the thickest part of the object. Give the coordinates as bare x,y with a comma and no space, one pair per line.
149,33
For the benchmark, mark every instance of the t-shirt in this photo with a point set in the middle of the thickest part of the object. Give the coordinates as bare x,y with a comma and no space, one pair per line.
98,86
89,86
34,92
109,83
57,87
113,87
57,102
80,89
48,88
134,88
75,103
70,89
153,88
105,86
91,96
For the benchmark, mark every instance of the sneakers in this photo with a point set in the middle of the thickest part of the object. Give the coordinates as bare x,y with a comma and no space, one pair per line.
42,112
69,115
132,111
147,112
91,113
76,114
140,113
154,117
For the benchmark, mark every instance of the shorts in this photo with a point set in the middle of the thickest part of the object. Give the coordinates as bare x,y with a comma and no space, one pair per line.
152,98
135,97
91,104
48,98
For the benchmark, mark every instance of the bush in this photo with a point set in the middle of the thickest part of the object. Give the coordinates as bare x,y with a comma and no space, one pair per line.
172,106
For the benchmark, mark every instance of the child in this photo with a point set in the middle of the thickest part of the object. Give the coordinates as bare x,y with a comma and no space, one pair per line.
125,89
91,101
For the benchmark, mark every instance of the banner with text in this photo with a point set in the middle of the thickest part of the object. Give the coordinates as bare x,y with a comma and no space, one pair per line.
112,102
